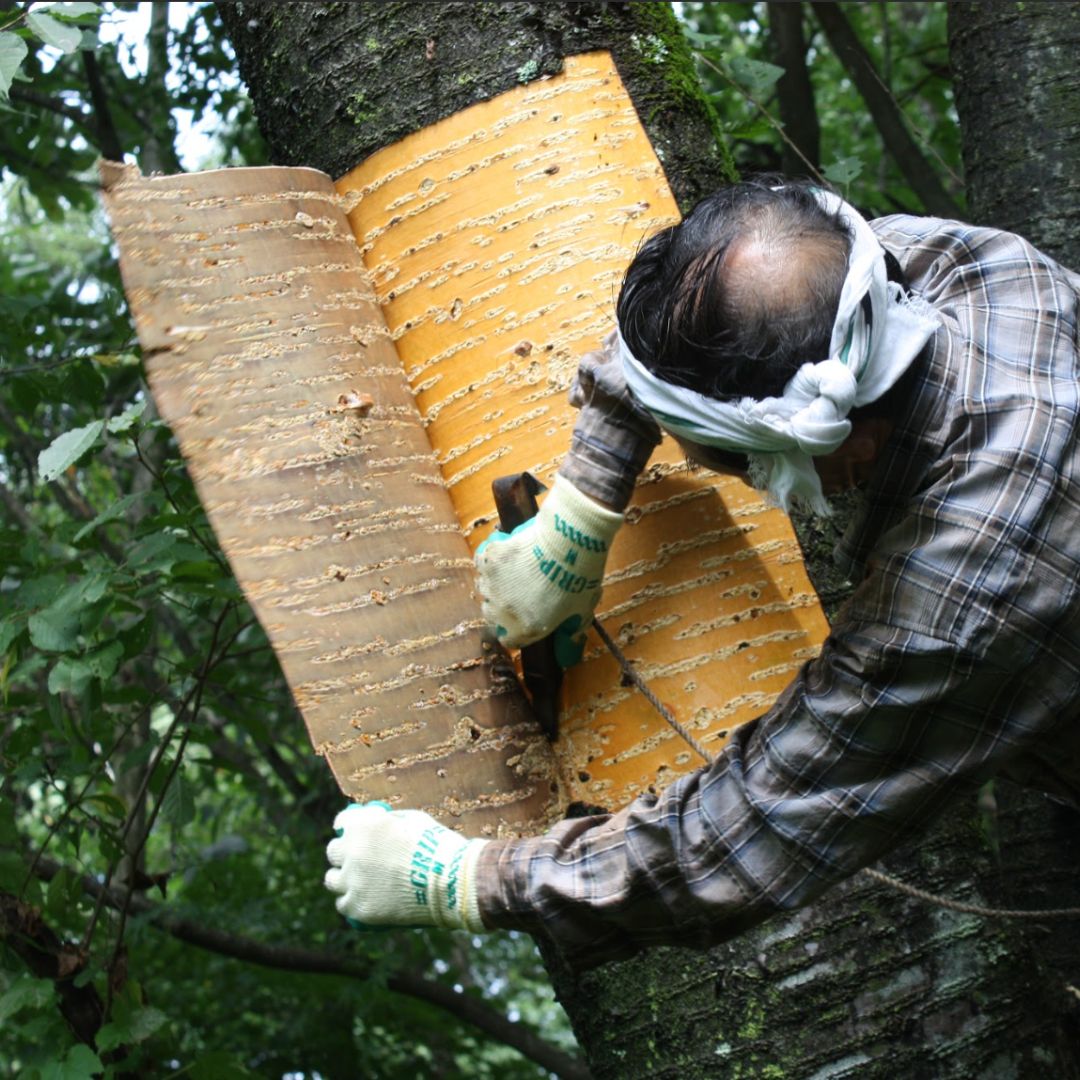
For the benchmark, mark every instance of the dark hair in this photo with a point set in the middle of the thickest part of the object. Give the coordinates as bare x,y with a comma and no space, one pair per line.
696,317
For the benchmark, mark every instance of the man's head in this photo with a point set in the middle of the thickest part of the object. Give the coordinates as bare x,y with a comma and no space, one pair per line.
735,298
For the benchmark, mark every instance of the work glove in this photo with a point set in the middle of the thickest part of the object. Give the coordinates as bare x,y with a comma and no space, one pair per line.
545,577
402,868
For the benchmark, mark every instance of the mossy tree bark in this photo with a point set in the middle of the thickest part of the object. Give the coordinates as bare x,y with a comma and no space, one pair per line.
1018,98
866,982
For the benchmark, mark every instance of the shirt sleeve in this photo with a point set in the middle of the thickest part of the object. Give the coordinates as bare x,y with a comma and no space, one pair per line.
958,653
613,437
868,741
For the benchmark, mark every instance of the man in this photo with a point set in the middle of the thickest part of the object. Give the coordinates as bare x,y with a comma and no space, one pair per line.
771,333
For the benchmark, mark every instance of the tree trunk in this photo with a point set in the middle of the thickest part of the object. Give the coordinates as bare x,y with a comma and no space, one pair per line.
795,93
867,982
1018,95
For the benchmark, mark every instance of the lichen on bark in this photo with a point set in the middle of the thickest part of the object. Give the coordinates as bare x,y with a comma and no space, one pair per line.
332,83
1018,97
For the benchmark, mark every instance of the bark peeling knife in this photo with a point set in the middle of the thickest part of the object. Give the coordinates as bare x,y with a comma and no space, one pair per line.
515,499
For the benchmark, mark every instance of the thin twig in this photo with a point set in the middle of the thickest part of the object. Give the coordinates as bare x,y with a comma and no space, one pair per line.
200,686
73,804
768,116
148,775
199,539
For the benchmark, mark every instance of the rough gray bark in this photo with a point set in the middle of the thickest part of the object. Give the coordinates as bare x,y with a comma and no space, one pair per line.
1018,98
866,982
331,83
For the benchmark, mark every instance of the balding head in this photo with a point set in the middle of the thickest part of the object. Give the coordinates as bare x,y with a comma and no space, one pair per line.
734,299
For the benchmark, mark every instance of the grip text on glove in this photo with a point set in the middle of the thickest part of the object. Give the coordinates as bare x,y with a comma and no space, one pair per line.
423,863
562,578
576,536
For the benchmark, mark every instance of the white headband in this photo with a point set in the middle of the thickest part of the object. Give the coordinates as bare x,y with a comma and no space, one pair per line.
873,343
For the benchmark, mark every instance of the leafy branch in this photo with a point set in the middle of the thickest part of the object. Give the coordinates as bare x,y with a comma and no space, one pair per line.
465,1007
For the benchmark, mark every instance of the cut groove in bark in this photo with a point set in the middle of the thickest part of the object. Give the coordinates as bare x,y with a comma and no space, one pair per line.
495,241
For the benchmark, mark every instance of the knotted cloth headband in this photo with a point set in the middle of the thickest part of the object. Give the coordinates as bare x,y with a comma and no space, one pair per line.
878,332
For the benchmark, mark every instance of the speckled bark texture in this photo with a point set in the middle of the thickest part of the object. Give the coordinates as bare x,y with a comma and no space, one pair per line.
1017,81
332,83
866,983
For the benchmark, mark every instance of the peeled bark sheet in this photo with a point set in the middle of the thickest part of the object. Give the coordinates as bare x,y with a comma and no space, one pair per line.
345,398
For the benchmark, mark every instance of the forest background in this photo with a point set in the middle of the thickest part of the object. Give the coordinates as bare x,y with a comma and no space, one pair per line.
162,815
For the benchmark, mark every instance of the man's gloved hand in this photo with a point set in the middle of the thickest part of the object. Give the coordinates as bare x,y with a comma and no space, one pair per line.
402,868
545,577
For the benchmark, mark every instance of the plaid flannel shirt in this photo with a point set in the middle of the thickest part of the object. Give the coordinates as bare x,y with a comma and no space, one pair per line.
957,658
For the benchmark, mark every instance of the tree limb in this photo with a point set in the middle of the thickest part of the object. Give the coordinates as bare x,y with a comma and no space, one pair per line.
911,161
466,1008
16,509
29,96
24,932
795,93
108,140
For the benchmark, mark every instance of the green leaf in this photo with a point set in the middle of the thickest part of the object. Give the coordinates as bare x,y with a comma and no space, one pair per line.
154,552
9,834
136,637
66,449
53,32
706,41
134,1028
111,805
10,629
127,418
72,674
103,662
69,676
754,75
79,1063
71,9
754,129
59,895
178,803
843,170
110,513
26,993
12,876
56,629
218,1065
197,570
12,53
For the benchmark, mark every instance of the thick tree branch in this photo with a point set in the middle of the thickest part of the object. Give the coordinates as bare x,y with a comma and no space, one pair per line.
108,141
911,161
795,94
47,957
16,509
159,149
28,96
469,1009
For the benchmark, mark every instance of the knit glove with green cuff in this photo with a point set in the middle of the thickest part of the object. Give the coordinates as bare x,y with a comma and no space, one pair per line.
402,868
545,577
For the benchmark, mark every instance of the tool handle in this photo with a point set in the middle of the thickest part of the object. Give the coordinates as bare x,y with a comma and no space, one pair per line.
515,500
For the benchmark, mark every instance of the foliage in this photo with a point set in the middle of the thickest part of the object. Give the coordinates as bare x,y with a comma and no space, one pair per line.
907,42
148,742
